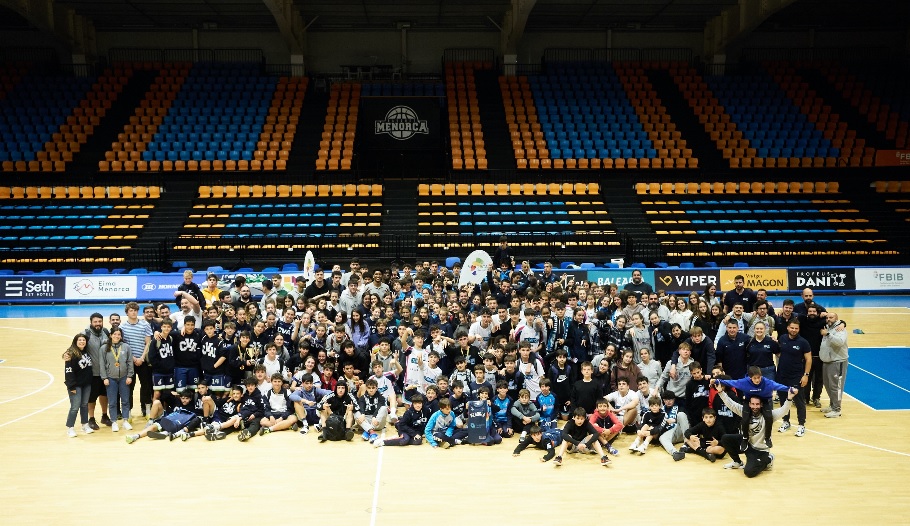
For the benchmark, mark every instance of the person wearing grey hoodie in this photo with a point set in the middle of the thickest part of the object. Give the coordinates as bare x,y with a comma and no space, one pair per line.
833,354
117,374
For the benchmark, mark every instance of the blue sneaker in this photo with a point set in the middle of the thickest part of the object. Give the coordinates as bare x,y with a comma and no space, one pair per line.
373,437
365,435
612,450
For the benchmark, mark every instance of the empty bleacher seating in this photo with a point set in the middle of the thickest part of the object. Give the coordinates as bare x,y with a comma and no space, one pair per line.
281,217
336,150
573,213
210,116
465,131
39,221
756,218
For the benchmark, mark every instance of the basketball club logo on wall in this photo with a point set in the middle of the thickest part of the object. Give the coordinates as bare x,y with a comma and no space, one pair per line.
401,123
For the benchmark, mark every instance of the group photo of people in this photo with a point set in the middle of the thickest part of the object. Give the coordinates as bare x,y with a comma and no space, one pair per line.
404,356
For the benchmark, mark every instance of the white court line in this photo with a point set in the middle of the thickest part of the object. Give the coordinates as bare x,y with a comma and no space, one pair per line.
904,389
34,330
45,386
867,406
376,482
859,443
58,402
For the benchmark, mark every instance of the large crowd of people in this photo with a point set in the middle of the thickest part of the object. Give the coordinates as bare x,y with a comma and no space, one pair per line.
403,356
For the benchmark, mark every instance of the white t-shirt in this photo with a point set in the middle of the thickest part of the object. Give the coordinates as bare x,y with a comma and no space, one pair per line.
482,334
619,400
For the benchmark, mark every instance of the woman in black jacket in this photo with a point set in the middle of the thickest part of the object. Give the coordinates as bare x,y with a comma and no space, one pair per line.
78,380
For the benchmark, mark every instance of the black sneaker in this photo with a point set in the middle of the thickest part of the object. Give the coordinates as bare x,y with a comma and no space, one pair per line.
678,455
158,435
604,460
557,461
685,449
93,424
244,435
712,457
264,431
349,435
321,437
294,426
768,442
106,420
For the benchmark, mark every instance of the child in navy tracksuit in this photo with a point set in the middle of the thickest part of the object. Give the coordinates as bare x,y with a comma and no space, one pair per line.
410,426
537,438
756,385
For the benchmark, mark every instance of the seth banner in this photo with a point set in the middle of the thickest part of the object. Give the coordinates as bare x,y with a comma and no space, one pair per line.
764,278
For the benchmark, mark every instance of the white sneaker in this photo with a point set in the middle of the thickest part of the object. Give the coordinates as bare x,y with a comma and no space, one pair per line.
800,431
126,425
734,465
784,426
634,446
87,429
115,427
642,449
70,432
770,464
827,409
832,414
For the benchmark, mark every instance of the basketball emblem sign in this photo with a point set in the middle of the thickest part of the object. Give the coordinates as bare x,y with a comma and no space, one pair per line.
401,123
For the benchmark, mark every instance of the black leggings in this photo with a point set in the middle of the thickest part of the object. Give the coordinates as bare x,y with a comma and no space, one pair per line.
756,461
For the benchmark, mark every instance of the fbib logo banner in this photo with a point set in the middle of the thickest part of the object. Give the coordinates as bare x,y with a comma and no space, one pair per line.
882,278
399,123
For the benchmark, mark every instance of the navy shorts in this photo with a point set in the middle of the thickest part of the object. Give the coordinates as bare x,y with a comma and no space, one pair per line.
162,382
218,382
186,377
282,416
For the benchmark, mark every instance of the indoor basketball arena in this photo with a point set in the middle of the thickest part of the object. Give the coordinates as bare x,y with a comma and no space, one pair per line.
546,245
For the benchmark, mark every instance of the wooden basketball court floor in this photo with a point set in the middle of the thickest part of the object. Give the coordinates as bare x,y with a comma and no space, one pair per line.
850,470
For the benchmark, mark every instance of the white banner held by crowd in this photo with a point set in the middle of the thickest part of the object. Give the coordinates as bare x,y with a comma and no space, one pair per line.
475,267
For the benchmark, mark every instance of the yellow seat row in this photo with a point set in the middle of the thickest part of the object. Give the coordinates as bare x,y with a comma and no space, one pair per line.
514,189
744,187
80,192
297,190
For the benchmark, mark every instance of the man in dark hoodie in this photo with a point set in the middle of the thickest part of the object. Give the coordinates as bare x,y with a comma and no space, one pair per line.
810,328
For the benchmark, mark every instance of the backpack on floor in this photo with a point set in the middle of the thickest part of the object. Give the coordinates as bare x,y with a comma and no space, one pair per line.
334,428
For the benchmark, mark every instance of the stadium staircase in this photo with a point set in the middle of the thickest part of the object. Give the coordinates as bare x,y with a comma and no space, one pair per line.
165,221
697,139
848,113
629,219
399,222
493,121
112,124
305,147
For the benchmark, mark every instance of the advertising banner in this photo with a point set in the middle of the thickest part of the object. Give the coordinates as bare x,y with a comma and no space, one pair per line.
685,280
826,278
91,287
756,278
399,123
620,276
892,158
32,288
882,279
162,287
